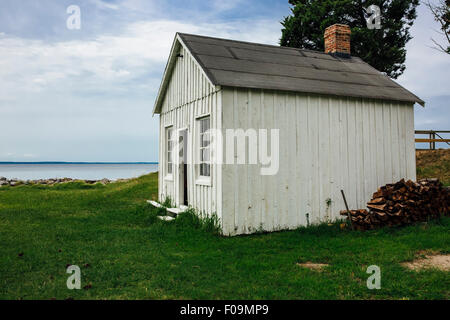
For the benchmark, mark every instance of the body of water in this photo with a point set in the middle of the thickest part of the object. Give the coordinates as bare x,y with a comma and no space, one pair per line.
85,171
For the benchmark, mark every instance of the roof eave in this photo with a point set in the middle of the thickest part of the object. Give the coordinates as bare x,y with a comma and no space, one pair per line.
165,79
416,98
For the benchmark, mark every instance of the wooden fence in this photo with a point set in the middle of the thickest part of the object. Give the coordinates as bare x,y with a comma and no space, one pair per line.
432,139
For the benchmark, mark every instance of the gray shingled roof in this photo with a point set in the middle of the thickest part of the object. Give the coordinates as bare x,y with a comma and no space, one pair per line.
250,65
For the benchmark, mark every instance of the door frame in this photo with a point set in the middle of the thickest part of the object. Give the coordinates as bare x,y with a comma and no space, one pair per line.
183,168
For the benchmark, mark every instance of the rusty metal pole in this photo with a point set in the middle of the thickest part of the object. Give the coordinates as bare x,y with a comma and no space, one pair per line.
348,211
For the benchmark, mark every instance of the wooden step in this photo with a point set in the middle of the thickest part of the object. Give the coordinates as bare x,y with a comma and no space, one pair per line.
154,203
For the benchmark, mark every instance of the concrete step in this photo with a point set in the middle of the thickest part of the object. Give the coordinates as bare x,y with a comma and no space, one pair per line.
166,218
154,203
176,211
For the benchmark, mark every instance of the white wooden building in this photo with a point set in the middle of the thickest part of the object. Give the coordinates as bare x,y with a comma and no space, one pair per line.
342,125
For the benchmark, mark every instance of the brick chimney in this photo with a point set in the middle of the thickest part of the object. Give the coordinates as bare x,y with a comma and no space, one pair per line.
337,40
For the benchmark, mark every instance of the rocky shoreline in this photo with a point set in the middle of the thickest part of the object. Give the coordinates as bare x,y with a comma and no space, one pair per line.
16,182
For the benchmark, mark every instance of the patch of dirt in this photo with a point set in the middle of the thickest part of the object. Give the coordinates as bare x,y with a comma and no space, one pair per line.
312,265
435,261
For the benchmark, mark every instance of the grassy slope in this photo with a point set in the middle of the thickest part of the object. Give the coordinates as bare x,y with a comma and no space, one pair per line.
434,164
132,255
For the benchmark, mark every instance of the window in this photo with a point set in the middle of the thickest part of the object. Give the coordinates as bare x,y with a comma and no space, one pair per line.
205,165
169,137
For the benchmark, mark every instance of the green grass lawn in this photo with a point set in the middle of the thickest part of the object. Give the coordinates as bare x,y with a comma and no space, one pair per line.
125,252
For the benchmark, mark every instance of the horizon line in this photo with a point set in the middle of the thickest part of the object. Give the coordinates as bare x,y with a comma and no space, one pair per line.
74,162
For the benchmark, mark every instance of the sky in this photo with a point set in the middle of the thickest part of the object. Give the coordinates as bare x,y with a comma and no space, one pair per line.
88,94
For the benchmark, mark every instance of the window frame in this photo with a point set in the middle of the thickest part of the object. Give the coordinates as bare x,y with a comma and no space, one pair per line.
204,166
169,152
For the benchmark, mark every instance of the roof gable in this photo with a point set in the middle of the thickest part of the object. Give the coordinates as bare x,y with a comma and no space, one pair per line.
183,74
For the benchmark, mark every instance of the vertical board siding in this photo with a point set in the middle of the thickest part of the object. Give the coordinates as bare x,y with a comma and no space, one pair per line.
189,95
326,144
410,144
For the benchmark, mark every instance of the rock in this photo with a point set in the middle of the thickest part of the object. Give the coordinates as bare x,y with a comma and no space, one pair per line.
52,181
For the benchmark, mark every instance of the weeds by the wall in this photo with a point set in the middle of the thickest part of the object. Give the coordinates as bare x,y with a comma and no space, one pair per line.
191,218
168,203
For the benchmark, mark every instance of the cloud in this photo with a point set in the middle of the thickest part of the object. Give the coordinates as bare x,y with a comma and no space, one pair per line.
141,48
75,97
103,4
220,5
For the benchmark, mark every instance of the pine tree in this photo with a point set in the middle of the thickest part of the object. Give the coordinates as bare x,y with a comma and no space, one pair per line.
383,48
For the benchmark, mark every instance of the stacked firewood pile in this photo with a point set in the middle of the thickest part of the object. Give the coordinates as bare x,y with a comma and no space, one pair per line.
401,203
